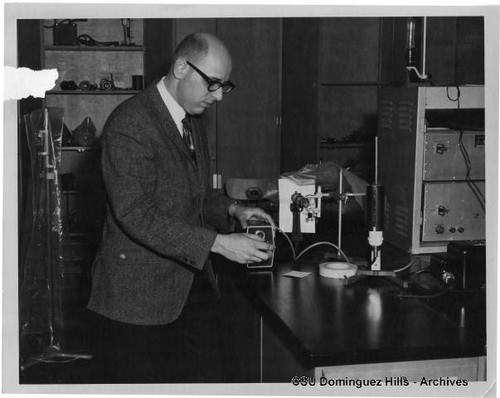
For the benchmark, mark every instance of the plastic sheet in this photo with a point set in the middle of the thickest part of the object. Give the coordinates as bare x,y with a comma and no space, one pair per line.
41,265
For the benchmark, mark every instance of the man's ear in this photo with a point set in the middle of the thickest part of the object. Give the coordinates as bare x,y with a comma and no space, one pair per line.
180,68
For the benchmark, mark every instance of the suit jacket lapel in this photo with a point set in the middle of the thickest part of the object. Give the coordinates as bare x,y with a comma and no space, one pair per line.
155,103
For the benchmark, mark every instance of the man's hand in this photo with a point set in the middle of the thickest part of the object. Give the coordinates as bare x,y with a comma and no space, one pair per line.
242,248
243,214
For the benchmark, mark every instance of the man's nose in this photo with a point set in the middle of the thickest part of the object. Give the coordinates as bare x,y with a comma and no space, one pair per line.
217,94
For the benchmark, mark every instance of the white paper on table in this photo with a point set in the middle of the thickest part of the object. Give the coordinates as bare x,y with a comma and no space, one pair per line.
296,274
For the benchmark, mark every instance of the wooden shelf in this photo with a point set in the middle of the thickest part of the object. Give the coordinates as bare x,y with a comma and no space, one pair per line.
95,48
95,92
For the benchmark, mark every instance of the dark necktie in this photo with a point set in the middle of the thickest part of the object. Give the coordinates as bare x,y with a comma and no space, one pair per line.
188,136
188,140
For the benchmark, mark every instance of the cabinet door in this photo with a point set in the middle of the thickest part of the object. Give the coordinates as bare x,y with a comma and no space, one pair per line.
300,92
248,138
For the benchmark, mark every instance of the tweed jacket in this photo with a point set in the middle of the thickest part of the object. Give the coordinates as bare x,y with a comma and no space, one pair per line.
159,206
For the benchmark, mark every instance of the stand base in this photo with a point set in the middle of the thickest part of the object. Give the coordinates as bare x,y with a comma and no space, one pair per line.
53,354
390,275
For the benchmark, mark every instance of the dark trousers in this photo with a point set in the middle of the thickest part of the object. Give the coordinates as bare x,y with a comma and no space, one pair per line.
187,350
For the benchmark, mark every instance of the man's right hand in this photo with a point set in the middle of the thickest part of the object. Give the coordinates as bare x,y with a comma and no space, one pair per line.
242,248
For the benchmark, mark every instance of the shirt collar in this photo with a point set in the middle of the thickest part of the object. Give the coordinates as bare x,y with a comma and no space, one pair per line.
173,107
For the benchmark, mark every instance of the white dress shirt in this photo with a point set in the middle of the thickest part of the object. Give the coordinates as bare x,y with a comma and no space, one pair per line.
173,107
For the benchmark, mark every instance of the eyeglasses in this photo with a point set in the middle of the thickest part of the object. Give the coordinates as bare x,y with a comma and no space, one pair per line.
213,85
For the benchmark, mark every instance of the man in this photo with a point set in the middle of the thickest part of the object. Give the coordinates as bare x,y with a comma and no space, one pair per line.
153,286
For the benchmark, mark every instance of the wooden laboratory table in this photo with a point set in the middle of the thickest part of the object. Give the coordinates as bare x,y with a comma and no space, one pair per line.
317,326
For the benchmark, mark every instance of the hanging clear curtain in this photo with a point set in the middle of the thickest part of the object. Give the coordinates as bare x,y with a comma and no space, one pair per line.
41,264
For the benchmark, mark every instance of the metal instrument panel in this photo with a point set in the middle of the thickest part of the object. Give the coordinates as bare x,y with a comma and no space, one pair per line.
451,212
445,158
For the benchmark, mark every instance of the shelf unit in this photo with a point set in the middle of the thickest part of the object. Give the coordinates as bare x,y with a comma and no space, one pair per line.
93,63
148,55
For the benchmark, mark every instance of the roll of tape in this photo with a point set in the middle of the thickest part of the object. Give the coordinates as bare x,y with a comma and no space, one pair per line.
337,270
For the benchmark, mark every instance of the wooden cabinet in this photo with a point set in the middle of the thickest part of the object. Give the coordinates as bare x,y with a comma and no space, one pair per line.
455,50
331,71
248,128
300,141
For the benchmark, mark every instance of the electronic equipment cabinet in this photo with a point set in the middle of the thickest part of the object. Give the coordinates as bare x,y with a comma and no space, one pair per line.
432,163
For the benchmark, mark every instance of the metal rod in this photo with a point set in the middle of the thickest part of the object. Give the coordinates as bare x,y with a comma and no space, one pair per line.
376,159
424,44
46,151
48,218
339,239
261,350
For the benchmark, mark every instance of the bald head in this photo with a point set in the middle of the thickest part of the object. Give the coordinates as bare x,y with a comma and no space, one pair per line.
196,46
199,59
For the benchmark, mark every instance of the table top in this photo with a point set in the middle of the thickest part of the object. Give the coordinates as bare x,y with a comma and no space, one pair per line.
366,322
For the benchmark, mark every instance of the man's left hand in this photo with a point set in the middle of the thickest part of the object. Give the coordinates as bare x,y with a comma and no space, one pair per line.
243,214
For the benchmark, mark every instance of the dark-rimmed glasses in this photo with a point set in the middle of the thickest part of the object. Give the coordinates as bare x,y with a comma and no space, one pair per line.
213,85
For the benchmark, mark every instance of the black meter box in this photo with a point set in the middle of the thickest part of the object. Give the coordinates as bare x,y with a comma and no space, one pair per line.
65,34
266,232
466,260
